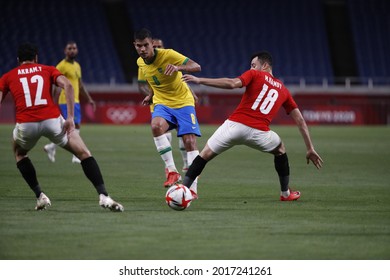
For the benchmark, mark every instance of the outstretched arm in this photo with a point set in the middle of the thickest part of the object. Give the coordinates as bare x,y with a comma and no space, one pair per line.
226,83
311,154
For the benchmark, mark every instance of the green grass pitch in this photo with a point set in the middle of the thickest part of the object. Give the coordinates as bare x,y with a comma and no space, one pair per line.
344,211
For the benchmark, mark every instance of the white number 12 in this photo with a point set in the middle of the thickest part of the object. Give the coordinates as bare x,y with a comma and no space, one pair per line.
38,96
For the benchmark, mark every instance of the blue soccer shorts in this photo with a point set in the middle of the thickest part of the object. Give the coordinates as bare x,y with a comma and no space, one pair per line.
184,119
77,112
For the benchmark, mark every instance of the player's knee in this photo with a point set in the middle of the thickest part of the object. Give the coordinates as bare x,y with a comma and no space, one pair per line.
189,142
83,154
280,150
158,129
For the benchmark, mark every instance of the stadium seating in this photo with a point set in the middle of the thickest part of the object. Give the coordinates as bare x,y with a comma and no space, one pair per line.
221,35
50,24
370,21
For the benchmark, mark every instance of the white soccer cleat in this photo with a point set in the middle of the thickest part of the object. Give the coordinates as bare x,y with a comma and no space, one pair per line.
50,149
42,202
75,159
108,202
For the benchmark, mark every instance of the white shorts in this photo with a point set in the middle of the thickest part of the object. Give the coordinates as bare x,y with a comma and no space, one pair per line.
232,133
26,135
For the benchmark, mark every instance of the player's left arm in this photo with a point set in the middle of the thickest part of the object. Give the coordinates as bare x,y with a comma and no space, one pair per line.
190,66
226,83
64,83
85,93
311,154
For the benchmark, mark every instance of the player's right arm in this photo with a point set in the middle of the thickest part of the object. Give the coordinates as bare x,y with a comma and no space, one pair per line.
64,83
311,154
146,90
226,83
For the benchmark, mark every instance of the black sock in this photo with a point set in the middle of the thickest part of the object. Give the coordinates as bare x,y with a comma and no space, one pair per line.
194,170
92,171
27,170
283,169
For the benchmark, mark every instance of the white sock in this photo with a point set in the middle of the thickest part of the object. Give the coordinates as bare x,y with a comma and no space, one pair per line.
165,150
190,158
286,193
169,136
183,152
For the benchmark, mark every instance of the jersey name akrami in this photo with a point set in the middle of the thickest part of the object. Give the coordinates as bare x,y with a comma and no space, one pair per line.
29,70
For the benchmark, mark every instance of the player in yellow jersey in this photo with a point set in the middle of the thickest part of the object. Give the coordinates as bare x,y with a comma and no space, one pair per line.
174,105
71,69
145,89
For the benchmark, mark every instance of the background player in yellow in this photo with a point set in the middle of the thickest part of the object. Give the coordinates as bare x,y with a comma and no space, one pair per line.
174,105
146,90
71,69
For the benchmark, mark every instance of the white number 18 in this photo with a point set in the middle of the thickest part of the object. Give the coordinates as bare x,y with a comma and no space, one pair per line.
268,102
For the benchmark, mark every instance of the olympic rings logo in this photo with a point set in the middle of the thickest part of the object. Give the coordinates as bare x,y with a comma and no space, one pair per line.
121,115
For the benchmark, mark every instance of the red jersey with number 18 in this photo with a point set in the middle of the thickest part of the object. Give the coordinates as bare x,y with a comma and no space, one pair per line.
30,85
263,97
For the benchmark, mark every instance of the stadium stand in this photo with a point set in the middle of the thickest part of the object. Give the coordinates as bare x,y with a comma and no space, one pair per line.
370,21
221,35
50,24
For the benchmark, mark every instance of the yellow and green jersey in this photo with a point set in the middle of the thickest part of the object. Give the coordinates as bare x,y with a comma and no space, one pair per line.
73,72
170,91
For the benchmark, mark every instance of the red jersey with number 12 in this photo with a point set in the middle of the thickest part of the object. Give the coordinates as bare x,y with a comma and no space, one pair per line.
30,85
263,97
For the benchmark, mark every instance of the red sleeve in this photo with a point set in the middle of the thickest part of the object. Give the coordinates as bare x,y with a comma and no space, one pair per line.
289,104
246,77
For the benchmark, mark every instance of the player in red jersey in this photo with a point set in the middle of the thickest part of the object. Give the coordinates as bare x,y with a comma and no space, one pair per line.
37,115
249,123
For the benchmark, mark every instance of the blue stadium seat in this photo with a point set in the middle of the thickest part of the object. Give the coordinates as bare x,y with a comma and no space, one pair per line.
370,21
221,35
50,24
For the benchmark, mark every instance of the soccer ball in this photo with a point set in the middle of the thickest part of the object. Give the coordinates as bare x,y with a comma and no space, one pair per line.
178,197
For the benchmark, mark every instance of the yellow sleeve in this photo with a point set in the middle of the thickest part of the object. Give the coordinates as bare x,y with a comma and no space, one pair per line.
141,76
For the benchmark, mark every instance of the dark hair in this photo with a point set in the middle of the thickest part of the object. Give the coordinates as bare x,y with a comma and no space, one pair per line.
142,34
70,42
27,51
263,56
